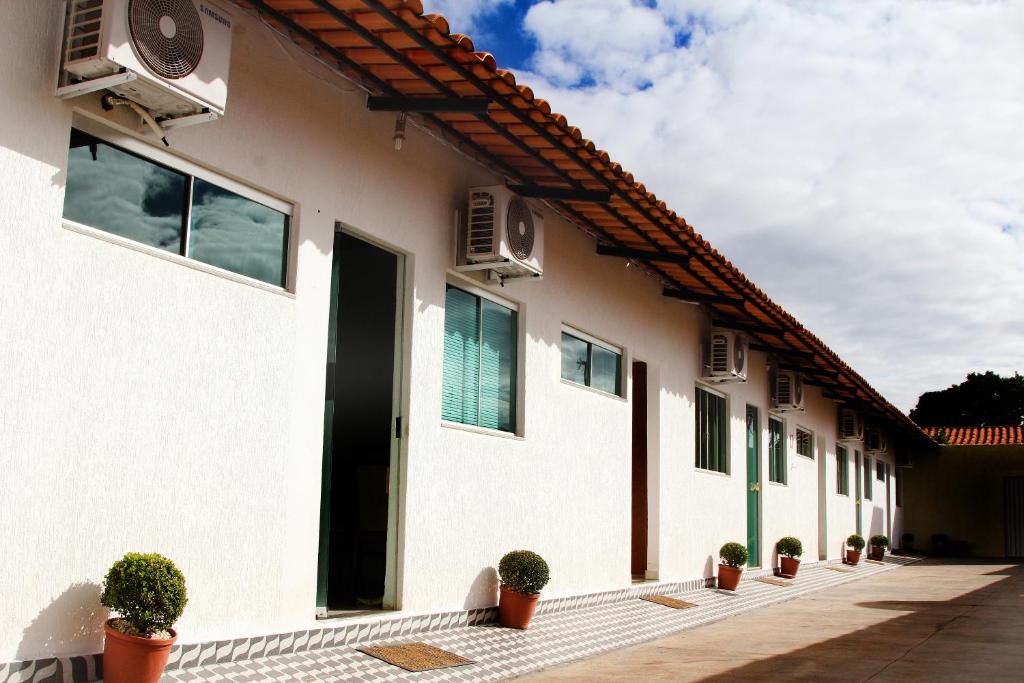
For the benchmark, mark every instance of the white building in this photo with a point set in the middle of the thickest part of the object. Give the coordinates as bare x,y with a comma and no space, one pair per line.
167,321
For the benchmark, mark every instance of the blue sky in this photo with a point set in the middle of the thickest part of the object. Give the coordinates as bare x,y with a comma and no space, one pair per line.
860,160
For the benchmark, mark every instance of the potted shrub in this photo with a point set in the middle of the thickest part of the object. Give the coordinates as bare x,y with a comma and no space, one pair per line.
523,574
734,556
790,549
879,542
856,544
147,593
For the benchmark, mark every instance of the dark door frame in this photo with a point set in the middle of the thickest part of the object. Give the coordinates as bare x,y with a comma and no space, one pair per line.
640,524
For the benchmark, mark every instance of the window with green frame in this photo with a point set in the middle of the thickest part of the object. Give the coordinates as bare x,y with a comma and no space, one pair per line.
880,470
479,375
899,487
591,364
804,443
776,450
842,471
711,432
867,478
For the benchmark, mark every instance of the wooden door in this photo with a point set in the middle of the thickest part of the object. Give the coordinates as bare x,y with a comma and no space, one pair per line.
639,536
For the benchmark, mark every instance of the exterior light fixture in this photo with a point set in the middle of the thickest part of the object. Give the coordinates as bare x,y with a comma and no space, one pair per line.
399,137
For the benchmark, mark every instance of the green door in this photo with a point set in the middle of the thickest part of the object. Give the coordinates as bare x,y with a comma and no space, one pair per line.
753,490
858,492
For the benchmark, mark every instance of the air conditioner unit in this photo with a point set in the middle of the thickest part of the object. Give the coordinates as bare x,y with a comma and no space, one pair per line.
724,356
787,392
875,441
169,56
502,233
851,425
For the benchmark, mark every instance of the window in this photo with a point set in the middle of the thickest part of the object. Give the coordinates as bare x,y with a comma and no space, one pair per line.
479,375
710,432
899,488
842,471
776,451
867,478
125,194
880,470
591,364
804,443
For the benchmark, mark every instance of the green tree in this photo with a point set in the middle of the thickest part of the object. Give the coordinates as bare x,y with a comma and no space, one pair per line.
982,400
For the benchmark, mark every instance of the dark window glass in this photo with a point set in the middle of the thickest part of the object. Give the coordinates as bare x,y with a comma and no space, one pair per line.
237,234
123,194
575,359
867,478
842,471
880,471
804,443
710,432
776,451
591,365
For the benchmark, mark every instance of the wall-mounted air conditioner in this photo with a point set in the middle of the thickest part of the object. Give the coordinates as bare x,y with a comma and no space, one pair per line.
851,425
875,441
787,391
502,233
169,56
724,356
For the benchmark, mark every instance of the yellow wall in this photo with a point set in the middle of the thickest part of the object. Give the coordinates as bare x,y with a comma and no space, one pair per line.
959,491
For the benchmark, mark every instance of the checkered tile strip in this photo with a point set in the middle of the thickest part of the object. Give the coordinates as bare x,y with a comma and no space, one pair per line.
552,639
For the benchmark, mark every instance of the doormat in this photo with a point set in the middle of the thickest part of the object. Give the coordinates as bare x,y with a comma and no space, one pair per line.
668,602
839,569
774,581
416,656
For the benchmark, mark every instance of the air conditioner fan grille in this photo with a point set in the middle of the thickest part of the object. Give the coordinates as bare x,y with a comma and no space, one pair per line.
519,228
168,35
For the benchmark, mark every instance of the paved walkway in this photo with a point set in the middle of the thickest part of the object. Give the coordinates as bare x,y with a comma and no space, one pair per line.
552,639
930,621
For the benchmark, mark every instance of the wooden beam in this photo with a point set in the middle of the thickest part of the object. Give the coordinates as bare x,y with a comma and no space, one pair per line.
748,327
643,255
460,105
699,297
794,353
562,194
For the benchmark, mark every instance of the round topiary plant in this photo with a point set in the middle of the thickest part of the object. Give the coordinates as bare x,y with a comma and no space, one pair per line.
147,592
734,554
790,546
855,541
880,541
523,571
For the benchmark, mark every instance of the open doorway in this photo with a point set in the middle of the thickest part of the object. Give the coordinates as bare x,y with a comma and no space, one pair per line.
638,561
358,508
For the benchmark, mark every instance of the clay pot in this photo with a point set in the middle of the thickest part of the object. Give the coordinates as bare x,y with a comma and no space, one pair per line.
789,565
852,556
729,577
877,552
130,659
515,609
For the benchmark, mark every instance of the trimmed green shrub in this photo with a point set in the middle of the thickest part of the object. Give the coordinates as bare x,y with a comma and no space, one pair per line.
879,541
146,591
855,541
790,546
524,572
734,554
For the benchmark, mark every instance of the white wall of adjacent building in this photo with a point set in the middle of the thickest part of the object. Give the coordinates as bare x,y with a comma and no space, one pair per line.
149,404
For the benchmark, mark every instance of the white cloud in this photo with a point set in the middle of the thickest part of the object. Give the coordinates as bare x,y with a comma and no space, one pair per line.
462,15
861,161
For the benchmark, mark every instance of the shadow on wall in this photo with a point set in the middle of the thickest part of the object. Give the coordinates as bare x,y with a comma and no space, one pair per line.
483,592
71,624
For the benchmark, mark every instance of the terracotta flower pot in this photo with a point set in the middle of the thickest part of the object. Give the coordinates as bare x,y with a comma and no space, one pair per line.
130,659
515,609
789,565
852,556
729,577
877,552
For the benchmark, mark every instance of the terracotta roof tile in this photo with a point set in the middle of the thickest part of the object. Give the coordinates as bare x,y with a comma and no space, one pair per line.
978,436
390,48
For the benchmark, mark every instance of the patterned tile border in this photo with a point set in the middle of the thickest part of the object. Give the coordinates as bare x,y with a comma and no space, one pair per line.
86,668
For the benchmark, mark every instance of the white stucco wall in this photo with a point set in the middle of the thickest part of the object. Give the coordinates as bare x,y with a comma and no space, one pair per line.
148,405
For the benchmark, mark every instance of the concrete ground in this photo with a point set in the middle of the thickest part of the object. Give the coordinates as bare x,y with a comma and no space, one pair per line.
929,621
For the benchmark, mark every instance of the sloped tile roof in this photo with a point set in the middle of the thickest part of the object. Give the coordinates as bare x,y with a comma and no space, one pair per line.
391,48
979,436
